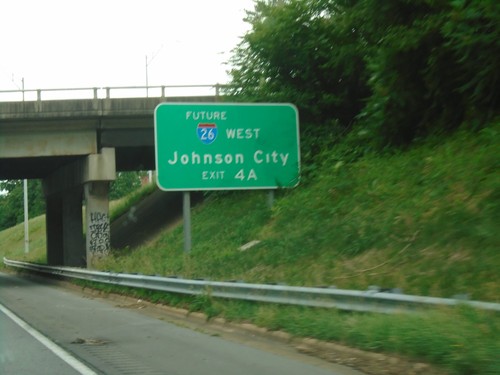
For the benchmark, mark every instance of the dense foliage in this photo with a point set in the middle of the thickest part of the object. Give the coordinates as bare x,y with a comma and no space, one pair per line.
400,69
12,201
125,183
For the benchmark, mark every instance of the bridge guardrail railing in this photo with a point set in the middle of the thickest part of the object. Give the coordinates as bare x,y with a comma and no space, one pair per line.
104,92
351,300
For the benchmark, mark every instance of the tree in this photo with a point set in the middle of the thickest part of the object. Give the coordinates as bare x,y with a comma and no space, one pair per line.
302,51
12,201
472,35
402,69
432,65
125,183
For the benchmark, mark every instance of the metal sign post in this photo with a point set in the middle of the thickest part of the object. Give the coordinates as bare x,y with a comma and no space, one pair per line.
26,218
186,211
270,198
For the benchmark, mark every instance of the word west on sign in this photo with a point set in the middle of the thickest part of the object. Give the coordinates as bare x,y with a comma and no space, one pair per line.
226,146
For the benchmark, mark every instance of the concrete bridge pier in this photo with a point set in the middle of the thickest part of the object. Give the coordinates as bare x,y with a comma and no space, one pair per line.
86,179
65,242
54,229
98,238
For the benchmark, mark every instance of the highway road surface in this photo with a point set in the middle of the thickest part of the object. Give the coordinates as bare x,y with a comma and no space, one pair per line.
47,329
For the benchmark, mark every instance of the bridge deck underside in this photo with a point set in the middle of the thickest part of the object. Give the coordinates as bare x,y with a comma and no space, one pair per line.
32,168
127,159
127,125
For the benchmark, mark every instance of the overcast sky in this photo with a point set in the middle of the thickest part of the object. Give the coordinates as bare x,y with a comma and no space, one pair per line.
98,43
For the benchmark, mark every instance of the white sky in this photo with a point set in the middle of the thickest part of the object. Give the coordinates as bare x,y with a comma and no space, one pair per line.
98,43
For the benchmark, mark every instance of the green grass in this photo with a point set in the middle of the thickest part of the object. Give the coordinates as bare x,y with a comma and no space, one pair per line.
12,242
424,220
447,338
122,205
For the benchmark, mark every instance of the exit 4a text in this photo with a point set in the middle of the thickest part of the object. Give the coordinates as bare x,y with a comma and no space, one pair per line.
246,175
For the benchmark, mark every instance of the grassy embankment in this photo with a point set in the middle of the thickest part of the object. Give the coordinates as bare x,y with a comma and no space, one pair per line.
424,220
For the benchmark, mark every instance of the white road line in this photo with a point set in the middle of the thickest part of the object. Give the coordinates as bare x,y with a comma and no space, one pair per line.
57,350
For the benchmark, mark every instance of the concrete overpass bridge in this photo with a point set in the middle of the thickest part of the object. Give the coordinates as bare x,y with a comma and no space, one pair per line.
76,146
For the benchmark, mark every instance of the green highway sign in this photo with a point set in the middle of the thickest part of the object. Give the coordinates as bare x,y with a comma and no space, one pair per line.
214,146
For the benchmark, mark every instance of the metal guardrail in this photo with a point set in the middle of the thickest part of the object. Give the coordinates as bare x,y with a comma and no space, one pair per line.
351,300
105,92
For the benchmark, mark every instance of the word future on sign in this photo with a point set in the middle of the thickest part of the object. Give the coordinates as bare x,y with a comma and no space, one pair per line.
226,146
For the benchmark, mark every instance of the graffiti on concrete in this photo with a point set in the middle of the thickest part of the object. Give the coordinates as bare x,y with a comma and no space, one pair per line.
99,232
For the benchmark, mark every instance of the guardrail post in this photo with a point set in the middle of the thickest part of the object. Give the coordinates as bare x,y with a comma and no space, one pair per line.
95,102
108,92
163,92
38,100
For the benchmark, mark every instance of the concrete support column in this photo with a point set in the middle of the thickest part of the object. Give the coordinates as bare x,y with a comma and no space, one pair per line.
88,178
64,229
73,242
97,220
54,230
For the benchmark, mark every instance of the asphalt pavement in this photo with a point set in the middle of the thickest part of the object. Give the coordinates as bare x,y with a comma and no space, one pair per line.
106,338
23,354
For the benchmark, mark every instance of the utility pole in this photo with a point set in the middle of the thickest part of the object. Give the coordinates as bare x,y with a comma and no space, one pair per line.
150,173
147,65
25,190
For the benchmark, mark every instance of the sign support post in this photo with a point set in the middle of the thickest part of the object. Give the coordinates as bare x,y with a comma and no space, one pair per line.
270,198
186,209
26,218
